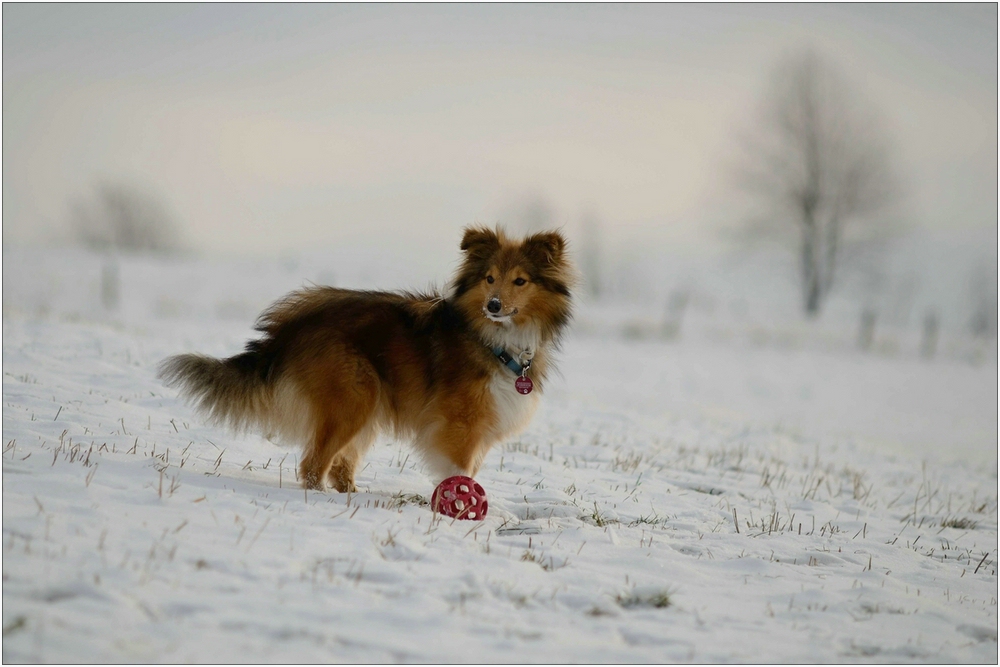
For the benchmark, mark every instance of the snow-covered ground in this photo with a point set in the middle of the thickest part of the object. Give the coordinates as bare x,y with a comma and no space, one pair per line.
730,495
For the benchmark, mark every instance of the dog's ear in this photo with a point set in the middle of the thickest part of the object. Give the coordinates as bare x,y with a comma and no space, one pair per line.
546,248
479,242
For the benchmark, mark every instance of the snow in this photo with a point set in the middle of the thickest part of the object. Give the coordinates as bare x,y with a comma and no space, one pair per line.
708,498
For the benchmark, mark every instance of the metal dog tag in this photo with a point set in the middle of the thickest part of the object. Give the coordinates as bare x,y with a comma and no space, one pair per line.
523,385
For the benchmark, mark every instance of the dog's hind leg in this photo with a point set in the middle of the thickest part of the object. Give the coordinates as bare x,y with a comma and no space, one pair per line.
345,463
343,414
330,439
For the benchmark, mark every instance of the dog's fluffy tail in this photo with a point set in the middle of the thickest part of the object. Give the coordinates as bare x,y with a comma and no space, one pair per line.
234,392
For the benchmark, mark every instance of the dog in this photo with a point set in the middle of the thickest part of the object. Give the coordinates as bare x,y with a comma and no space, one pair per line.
455,373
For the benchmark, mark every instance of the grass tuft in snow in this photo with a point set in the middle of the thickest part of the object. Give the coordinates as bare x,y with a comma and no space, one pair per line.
657,599
961,523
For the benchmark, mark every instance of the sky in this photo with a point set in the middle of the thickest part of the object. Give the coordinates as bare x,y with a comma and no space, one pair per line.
281,128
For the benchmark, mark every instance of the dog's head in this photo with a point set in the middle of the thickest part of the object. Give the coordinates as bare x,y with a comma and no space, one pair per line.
511,289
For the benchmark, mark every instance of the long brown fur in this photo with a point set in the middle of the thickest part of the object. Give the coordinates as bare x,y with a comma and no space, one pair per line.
335,367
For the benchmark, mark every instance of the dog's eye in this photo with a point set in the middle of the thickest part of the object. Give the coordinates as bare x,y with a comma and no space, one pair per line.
520,281
489,279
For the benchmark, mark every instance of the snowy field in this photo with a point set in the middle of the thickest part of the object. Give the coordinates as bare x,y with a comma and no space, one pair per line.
730,495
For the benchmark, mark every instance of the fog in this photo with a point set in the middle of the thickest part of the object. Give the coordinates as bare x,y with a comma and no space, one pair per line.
267,127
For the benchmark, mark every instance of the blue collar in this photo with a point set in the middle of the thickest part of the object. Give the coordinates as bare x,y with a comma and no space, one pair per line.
509,361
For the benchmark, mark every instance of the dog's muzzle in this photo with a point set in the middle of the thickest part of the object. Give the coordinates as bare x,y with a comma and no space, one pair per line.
494,312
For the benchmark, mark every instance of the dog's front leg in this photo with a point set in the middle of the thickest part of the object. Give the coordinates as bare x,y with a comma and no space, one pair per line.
454,449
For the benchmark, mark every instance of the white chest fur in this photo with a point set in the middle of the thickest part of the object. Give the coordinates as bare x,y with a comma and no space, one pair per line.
513,410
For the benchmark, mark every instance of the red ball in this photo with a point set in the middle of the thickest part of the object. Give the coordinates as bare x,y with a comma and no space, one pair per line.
460,497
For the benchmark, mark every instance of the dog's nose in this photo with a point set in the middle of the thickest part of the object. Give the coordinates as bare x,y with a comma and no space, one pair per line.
494,305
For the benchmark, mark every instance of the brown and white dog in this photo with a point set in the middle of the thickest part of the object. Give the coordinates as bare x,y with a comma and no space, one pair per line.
335,367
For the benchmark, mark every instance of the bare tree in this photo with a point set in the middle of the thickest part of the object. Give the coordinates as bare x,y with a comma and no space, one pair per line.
983,293
819,163
122,218
590,253
125,218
